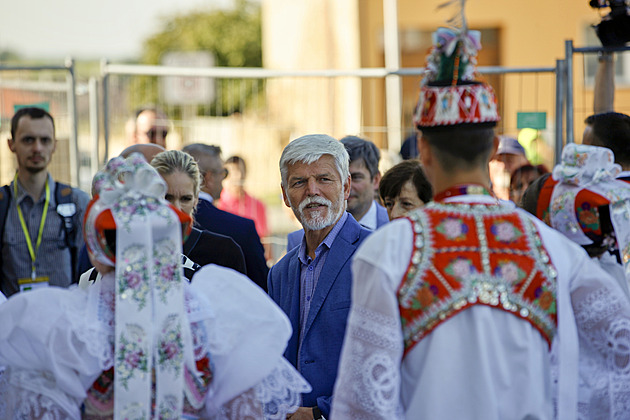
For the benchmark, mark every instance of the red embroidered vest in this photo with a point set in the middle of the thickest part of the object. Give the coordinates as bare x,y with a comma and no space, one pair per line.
475,254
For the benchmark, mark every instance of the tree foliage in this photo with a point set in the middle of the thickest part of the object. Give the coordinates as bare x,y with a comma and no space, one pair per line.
234,38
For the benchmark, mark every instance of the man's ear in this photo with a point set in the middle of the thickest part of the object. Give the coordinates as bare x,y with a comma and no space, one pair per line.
376,180
346,187
426,155
11,144
284,197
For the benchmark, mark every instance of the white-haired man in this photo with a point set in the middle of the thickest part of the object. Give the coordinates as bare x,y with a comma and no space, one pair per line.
312,282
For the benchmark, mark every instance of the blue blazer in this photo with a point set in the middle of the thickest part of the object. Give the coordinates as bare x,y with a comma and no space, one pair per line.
295,238
326,322
243,231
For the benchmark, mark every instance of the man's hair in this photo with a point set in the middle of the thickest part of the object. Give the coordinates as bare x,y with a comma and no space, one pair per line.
310,148
465,146
172,161
612,130
359,148
34,113
238,161
408,170
204,154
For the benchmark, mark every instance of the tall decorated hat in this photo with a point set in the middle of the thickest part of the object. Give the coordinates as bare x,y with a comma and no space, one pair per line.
449,93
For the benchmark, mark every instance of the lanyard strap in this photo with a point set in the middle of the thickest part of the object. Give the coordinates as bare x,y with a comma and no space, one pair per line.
29,244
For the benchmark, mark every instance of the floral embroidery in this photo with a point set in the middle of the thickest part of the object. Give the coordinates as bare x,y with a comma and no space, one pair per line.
460,268
510,271
505,232
588,216
502,263
134,281
168,408
454,229
171,344
545,298
131,357
166,270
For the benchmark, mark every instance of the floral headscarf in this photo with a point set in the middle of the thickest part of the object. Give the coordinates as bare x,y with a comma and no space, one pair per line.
586,184
152,334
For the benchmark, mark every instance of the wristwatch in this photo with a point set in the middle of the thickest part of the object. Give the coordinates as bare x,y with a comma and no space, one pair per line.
317,414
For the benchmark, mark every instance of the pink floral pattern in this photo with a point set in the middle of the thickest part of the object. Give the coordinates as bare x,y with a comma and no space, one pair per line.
505,231
453,228
131,359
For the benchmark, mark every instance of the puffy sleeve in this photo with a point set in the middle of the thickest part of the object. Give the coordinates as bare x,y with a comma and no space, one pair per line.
369,378
51,351
247,336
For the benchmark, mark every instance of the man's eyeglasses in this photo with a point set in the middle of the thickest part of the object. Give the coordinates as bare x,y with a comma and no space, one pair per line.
154,133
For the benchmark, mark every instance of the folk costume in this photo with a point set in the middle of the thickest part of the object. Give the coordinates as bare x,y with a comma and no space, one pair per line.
143,343
464,308
584,200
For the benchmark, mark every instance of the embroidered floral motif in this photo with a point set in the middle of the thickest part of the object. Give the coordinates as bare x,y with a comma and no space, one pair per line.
505,232
170,346
588,216
134,281
460,268
509,271
453,228
134,412
131,357
501,262
166,270
168,408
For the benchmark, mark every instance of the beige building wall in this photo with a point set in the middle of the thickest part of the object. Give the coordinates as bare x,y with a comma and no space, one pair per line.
340,34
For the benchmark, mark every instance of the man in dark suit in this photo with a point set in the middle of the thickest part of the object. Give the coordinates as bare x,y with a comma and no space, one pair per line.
210,218
312,283
364,158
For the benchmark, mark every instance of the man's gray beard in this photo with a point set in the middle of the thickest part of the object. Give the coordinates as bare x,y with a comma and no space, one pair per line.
317,221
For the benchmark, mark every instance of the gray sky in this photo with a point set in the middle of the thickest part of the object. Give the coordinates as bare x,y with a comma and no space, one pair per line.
86,29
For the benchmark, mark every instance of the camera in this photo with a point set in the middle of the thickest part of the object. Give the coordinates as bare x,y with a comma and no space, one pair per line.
614,28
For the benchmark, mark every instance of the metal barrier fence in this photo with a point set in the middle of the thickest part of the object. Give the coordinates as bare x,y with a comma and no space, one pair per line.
255,112
48,86
570,52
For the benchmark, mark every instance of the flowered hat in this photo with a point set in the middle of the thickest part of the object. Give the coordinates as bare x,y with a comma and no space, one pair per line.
153,342
587,203
449,93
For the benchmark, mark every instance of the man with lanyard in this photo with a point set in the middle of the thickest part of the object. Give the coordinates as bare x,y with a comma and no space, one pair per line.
458,308
35,250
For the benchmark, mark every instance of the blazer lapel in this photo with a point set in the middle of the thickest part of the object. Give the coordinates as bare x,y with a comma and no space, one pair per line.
292,306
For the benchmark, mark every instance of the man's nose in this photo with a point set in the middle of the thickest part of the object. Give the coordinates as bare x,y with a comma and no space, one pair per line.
312,188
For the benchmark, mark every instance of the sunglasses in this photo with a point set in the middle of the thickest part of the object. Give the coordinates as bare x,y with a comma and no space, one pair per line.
154,133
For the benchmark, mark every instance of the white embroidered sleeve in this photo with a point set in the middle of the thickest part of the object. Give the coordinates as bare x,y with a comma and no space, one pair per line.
368,381
602,315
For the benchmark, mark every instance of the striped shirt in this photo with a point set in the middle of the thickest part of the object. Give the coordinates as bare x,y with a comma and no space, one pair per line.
53,259
310,269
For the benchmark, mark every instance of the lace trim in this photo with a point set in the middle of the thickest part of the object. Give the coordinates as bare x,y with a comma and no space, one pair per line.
19,402
369,386
271,399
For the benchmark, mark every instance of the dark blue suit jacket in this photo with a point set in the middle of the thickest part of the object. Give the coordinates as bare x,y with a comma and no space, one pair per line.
326,321
295,238
243,231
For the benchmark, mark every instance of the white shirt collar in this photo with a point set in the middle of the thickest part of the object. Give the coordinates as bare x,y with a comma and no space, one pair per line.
368,220
205,196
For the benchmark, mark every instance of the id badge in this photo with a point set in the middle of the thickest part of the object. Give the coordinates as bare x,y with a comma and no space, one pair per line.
30,283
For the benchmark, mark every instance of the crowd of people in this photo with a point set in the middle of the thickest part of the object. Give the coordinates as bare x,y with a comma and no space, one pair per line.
420,293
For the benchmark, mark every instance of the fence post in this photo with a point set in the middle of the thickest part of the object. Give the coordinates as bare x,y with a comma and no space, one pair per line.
94,126
72,112
104,83
569,86
560,97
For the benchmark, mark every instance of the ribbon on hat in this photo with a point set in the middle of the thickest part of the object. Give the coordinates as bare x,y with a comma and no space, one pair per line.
152,334
591,169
